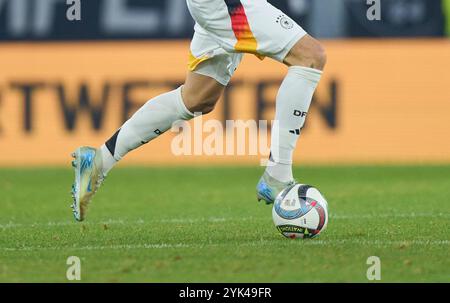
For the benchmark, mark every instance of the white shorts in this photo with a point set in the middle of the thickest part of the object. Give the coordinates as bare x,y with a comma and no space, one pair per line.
226,29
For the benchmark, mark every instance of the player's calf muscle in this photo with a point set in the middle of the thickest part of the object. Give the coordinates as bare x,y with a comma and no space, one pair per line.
307,52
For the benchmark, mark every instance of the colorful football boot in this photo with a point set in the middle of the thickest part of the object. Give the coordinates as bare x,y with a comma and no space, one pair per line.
268,188
88,178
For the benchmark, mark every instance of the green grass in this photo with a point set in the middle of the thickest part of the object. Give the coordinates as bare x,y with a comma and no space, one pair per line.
204,225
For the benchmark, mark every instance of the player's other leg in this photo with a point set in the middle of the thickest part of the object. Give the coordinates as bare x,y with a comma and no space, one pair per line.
306,61
257,27
199,95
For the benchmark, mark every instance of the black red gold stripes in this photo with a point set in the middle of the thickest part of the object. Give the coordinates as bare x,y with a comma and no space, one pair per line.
246,41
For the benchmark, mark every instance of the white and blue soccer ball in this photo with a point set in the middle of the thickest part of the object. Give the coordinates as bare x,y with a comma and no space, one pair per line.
300,211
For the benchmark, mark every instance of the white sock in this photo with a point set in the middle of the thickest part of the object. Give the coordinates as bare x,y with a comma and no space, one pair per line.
107,159
149,122
279,171
293,102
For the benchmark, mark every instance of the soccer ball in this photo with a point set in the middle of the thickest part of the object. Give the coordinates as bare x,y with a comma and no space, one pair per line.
300,211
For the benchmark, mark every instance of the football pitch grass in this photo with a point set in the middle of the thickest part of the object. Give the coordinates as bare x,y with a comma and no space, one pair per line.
204,225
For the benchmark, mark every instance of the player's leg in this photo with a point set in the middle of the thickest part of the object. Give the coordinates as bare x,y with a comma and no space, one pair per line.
201,93
198,95
257,27
211,69
306,61
262,29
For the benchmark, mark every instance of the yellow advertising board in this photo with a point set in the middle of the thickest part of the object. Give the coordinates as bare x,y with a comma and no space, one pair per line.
379,101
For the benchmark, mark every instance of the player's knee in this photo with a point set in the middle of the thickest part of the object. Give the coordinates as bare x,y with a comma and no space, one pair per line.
204,104
319,56
310,53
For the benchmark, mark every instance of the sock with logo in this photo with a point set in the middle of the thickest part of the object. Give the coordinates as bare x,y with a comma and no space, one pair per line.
293,102
149,122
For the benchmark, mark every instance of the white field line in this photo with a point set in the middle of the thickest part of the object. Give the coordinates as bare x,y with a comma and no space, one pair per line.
13,225
377,243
